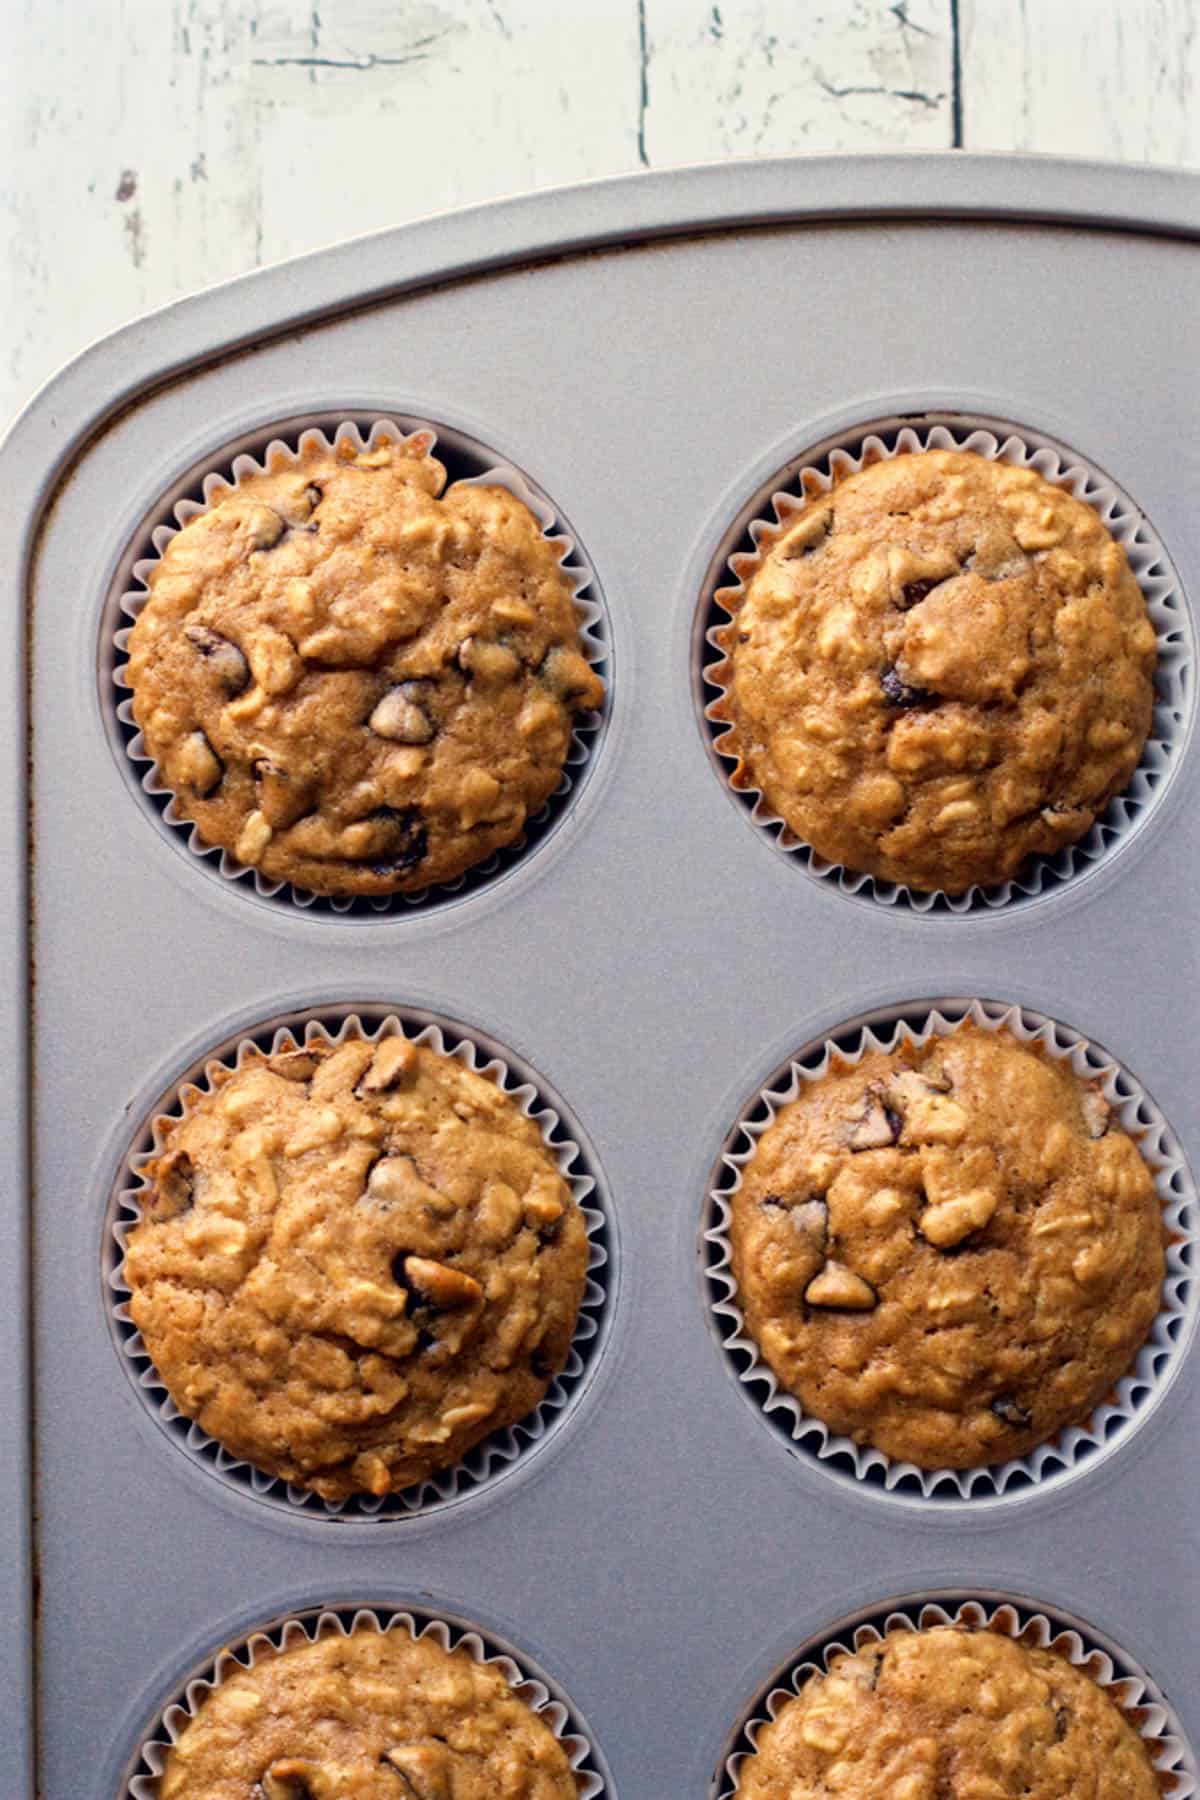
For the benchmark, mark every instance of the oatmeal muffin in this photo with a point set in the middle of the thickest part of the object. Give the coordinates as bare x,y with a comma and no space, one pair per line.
353,1264
940,668
949,1714
356,682
948,1252
376,1716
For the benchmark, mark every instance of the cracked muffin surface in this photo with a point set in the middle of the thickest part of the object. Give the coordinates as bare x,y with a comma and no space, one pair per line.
372,1716
950,1251
353,1263
941,667
949,1714
354,681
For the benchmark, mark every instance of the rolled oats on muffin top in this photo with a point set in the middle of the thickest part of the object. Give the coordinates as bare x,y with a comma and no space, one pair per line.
937,669
354,679
354,1262
949,1714
371,1716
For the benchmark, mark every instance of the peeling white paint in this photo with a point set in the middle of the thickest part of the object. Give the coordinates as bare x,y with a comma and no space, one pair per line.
154,146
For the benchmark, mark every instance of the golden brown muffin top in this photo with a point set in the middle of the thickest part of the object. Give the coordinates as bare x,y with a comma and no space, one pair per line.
353,681
356,1262
372,1716
949,1251
949,1714
940,668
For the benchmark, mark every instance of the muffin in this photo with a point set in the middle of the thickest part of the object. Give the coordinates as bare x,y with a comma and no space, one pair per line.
948,1252
353,1263
382,1716
940,668
949,1714
354,681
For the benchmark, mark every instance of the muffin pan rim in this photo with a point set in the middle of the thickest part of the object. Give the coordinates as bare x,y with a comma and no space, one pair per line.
511,235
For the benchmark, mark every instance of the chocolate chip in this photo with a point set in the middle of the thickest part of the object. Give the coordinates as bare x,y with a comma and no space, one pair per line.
913,592
198,764
174,1185
875,1125
566,674
401,717
267,528
408,842
281,798
400,1274
1006,1408
898,693
540,1366
225,660
418,1311
1062,1720
287,1779
551,1231
812,1218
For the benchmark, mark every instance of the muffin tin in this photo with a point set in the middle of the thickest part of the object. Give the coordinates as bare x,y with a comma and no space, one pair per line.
649,353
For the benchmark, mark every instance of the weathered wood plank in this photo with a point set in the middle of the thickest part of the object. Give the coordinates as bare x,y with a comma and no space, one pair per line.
753,77
154,146
1101,78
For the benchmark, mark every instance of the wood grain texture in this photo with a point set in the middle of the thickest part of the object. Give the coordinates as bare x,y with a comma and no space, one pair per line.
1119,78
154,146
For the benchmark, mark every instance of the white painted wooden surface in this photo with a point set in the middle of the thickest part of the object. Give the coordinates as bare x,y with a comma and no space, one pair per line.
153,146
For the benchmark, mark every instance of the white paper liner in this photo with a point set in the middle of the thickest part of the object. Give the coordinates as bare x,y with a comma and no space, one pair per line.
1122,1679
495,1454
594,643
305,1628
1135,1394
844,455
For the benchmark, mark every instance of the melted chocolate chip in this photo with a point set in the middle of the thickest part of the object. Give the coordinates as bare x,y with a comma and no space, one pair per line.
1006,1408
224,659
898,693
540,1366
408,842
400,1273
174,1187
913,592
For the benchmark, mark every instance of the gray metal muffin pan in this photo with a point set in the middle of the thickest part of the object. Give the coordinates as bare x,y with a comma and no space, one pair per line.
647,350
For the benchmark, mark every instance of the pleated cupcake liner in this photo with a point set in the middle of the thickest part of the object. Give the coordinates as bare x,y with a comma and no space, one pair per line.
1136,1393
150,780
496,1454
818,473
